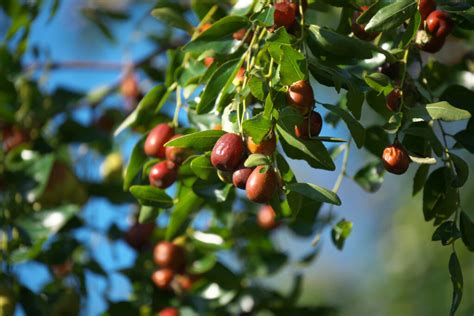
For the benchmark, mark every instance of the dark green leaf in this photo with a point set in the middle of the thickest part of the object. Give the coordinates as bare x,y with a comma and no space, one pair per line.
188,202
315,193
437,111
447,233
257,127
255,160
458,283
467,231
137,160
340,232
439,197
462,170
151,196
148,214
356,129
420,178
392,16
172,18
200,141
370,177
203,168
376,140
411,30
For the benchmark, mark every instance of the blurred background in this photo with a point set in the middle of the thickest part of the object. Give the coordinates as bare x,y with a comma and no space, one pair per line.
389,265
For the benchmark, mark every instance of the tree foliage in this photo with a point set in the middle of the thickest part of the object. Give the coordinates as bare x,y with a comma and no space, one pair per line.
241,78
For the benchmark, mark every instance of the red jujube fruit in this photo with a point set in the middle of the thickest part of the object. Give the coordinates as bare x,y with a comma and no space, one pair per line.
396,159
155,140
228,152
163,174
260,185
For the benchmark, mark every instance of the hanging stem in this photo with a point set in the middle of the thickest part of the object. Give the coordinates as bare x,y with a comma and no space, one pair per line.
342,174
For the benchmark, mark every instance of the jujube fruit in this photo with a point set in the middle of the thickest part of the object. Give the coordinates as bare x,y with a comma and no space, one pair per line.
162,277
266,218
391,70
285,14
13,137
266,147
177,154
429,43
185,282
163,174
315,123
129,86
301,95
396,159
359,29
155,140
169,255
394,100
439,24
240,177
208,61
168,311
227,152
426,7
138,236
240,35
260,185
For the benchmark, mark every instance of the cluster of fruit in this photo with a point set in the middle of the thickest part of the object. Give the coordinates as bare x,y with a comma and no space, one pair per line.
163,174
171,258
436,26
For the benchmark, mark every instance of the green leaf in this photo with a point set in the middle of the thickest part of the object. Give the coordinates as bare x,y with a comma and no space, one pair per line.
145,109
379,82
148,214
370,177
355,99
151,196
356,129
255,160
447,233
394,123
462,170
437,111
392,16
203,265
315,193
312,151
291,66
411,30
467,231
200,141
23,254
376,140
256,86
216,84
41,225
423,160
340,232
203,168
137,160
172,18
188,202
265,17
458,283
257,127
439,197
420,178
219,36
212,191
340,45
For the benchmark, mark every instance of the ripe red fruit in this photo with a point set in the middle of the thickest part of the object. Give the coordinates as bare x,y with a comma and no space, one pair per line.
261,186
62,270
239,77
186,282
227,152
139,235
359,29
13,137
315,123
396,159
285,14
391,70
266,218
155,140
177,154
162,277
169,255
426,7
439,24
163,174
240,35
266,147
301,95
394,100
208,61
429,43
129,86
168,311
240,177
